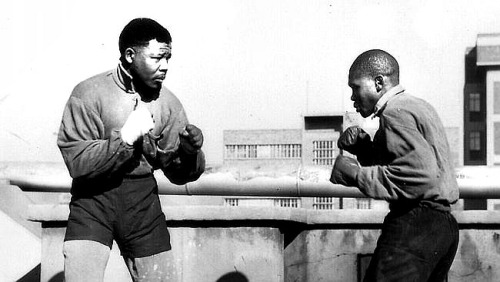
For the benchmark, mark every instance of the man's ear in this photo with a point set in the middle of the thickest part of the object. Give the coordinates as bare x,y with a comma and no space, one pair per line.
379,82
129,55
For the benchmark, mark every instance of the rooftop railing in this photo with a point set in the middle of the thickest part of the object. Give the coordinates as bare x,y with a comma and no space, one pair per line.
54,178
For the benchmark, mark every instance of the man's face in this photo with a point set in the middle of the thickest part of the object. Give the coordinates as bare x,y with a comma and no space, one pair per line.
364,94
150,63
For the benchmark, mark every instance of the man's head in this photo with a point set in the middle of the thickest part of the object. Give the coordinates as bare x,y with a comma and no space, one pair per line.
145,48
371,75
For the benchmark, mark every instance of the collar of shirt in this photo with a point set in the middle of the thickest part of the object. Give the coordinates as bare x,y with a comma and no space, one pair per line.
125,79
382,102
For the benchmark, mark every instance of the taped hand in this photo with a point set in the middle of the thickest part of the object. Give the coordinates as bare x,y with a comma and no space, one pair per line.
138,123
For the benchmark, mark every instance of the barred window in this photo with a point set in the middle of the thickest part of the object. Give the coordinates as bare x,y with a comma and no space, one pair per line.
273,151
324,152
287,202
276,202
364,204
233,202
285,151
323,203
241,151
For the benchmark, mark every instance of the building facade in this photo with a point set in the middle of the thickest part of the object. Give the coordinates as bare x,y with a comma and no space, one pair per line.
278,152
482,102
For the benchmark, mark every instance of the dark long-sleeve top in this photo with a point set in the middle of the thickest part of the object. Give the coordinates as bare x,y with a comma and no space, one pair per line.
89,136
409,158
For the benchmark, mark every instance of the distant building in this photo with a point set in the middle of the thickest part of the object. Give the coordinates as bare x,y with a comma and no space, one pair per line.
482,108
288,150
482,102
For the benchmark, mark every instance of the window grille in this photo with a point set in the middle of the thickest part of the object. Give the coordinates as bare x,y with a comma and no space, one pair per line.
363,204
285,151
276,202
273,151
323,203
324,152
241,151
233,202
287,202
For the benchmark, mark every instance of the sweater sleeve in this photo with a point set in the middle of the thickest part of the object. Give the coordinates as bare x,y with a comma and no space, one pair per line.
85,151
409,171
176,165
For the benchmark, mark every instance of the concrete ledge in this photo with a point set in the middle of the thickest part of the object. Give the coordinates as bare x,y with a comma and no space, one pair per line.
47,213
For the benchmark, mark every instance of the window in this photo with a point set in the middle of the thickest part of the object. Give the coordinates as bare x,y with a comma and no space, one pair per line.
474,102
287,203
324,152
285,151
273,151
496,97
475,141
232,202
363,204
241,151
262,202
323,203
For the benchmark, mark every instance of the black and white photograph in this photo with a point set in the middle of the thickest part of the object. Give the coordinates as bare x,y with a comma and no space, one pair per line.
250,141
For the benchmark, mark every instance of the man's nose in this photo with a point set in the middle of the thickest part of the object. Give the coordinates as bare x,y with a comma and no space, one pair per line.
164,64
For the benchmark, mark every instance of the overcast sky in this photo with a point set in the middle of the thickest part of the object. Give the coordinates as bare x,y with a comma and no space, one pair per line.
237,64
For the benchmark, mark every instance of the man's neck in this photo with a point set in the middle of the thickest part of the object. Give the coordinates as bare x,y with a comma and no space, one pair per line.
136,85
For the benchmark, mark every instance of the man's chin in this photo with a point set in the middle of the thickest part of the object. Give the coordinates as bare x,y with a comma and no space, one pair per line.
364,114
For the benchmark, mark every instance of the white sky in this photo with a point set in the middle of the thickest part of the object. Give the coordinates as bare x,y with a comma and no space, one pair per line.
237,64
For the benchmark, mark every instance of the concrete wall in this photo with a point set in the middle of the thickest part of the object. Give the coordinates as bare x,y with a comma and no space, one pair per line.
198,254
262,137
279,244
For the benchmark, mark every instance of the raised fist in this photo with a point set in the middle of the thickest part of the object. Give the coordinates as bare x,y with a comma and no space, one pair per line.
191,139
345,171
354,140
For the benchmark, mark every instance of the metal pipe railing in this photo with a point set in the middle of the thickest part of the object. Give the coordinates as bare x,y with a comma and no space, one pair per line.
51,178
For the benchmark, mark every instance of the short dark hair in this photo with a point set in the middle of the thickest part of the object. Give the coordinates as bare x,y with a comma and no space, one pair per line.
375,62
138,32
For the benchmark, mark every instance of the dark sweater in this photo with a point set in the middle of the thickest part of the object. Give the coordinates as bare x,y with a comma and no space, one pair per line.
410,157
90,140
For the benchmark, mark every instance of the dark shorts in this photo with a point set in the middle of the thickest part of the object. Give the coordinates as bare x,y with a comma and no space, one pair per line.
130,214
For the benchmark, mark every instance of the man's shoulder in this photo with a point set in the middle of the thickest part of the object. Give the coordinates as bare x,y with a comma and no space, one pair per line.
169,98
406,101
89,85
405,106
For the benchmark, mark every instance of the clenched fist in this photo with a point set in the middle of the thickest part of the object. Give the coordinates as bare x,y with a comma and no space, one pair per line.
191,139
345,171
354,140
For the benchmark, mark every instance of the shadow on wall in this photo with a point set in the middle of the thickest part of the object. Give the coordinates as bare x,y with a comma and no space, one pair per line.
234,276
33,275
59,277
228,277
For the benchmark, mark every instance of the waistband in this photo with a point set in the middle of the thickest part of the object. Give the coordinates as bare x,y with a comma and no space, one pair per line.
403,206
140,176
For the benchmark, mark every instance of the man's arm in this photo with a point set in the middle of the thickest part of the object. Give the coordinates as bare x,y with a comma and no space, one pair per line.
177,151
357,142
412,170
186,168
84,151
